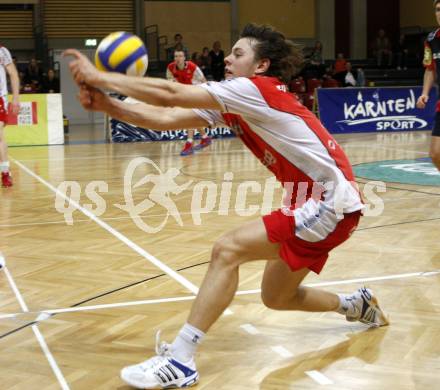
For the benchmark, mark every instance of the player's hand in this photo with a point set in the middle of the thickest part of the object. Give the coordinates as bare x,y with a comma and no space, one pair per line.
93,99
421,101
15,107
83,71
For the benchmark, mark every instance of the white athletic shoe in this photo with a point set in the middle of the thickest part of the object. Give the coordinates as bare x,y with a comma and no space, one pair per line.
2,261
161,371
366,308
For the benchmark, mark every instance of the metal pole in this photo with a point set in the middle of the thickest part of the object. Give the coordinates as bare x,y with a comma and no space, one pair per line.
139,17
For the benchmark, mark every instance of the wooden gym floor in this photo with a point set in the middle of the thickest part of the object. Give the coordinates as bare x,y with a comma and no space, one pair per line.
52,265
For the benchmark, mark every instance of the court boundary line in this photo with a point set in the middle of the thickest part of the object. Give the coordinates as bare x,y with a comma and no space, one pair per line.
132,245
192,297
39,336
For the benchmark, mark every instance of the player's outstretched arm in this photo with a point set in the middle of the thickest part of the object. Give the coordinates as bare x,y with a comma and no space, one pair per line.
153,91
140,114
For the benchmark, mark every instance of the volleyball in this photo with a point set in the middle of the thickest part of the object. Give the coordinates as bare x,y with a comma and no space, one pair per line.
122,52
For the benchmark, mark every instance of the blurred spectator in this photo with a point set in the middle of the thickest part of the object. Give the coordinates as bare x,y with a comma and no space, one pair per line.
349,79
205,63
402,53
382,49
178,45
33,72
316,62
340,68
51,84
316,55
340,64
217,62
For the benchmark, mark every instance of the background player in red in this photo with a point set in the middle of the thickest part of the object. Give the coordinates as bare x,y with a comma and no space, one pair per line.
187,72
7,66
294,146
431,61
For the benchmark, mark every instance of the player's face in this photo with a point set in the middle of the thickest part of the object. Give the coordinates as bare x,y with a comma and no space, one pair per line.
241,62
179,57
437,13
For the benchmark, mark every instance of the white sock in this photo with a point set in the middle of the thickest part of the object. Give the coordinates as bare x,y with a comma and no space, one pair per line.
345,307
4,166
185,344
190,140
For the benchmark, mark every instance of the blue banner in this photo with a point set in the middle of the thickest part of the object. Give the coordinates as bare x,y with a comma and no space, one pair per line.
124,132
356,110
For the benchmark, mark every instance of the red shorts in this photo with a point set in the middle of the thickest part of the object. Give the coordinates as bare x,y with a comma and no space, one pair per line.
299,253
3,112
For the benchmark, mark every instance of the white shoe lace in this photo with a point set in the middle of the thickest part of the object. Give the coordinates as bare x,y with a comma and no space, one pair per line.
162,351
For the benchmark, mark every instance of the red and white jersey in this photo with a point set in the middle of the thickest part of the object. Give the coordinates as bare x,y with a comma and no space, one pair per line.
289,139
190,74
5,59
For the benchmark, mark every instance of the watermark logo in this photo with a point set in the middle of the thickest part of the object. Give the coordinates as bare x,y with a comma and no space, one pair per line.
164,186
147,187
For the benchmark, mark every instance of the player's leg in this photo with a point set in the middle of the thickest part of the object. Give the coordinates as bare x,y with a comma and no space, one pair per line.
3,146
4,162
247,243
434,151
188,148
205,139
174,365
308,249
250,242
281,290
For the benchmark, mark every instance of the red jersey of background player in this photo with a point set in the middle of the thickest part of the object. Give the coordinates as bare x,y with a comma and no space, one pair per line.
190,74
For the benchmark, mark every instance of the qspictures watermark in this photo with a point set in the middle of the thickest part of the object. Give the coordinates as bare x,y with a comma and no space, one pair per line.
160,189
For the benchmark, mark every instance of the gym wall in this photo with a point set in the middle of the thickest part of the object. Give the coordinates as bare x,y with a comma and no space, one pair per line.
200,22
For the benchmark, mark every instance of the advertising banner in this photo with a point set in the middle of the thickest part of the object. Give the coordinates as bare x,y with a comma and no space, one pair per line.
357,110
39,122
124,132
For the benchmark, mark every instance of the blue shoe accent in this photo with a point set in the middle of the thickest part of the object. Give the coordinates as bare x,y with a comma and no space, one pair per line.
203,143
186,370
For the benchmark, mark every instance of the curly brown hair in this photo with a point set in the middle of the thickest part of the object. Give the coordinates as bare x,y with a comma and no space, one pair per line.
286,58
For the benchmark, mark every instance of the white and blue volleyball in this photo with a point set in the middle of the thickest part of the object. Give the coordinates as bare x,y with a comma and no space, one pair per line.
122,52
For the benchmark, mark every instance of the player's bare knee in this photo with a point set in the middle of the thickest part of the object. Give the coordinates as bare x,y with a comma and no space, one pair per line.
223,253
275,300
270,300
